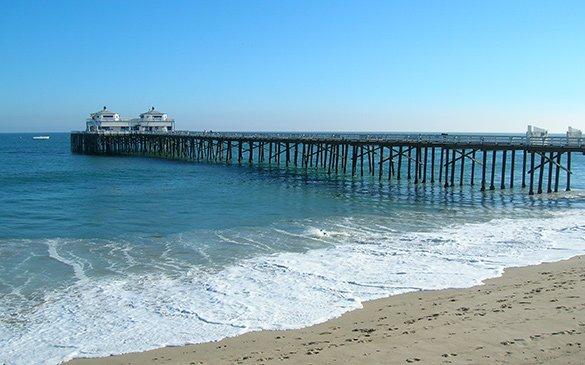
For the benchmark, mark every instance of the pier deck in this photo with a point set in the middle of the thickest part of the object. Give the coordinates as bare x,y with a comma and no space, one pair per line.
544,162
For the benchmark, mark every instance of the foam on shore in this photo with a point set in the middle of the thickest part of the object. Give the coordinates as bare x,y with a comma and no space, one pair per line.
352,262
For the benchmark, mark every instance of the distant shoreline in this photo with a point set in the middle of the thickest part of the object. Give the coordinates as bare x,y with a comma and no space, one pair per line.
530,314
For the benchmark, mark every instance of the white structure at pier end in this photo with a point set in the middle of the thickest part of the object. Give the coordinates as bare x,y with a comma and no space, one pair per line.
154,121
150,121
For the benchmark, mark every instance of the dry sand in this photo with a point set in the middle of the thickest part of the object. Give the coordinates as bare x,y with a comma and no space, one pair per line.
530,315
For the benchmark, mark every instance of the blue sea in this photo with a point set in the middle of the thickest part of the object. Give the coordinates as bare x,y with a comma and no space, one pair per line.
106,255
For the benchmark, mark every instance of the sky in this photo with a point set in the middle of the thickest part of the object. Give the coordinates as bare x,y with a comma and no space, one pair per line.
429,66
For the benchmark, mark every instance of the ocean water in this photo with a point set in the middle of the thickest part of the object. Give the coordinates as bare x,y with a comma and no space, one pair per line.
105,255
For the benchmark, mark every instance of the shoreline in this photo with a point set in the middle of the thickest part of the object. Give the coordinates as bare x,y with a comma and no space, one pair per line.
529,314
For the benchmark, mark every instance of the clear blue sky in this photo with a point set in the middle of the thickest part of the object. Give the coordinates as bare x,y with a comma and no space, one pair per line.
296,65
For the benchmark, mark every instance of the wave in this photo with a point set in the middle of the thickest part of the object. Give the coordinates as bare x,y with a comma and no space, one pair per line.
357,259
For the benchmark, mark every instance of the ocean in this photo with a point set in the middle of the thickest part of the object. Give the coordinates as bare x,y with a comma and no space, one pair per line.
106,255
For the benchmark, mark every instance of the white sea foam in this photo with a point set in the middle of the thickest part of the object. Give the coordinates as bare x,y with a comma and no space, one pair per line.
73,262
277,291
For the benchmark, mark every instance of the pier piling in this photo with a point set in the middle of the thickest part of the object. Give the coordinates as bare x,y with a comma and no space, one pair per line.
346,155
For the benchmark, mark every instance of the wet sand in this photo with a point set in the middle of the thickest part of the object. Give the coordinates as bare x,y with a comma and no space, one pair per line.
530,315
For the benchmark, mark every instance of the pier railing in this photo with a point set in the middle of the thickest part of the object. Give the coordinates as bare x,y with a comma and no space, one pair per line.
469,139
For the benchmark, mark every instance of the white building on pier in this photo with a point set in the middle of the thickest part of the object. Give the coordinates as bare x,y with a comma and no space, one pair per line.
150,121
153,121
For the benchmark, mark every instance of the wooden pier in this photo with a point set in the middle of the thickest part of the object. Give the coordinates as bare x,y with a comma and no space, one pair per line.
538,164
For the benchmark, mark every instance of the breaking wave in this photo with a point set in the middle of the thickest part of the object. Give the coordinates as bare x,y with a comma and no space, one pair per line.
343,262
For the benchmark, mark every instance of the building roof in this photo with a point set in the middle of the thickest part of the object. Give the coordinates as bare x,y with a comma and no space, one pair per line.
151,111
102,112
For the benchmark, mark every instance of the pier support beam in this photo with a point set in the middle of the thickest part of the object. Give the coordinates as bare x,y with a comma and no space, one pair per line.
483,170
462,172
240,152
441,165
524,152
558,172
503,177
531,189
432,165
472,168
409,162
568,171
453,167
512,168
541,174
399,163
416,164
426,155
381,163
446,167
493,173
329,153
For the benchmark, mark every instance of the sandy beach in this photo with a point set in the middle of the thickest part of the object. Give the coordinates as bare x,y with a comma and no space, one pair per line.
530,315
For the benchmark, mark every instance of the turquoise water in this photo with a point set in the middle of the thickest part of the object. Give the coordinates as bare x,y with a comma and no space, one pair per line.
97,252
